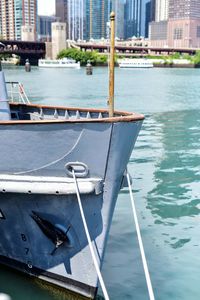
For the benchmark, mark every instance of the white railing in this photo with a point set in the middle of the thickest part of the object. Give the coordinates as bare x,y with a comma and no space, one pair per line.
16,92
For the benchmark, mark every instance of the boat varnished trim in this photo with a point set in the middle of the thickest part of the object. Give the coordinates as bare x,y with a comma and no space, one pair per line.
120,116
85,290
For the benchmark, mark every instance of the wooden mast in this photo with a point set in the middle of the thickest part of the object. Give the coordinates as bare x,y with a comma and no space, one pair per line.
112,65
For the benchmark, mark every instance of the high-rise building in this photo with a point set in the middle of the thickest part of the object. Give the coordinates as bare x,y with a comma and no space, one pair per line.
147,18
184,23
182,9
133,9
158,26
0,23
25,14
161,10
8,19
97,16
153,10
72,12
180,25
62,10
44,27
118,8
75,20
17,13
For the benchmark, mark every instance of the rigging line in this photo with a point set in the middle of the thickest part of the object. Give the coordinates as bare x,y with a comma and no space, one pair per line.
105,293
144,261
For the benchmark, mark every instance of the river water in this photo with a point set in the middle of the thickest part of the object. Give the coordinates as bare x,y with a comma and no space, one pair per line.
165,166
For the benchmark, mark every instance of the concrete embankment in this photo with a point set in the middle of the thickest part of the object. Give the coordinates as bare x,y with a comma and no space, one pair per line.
188,66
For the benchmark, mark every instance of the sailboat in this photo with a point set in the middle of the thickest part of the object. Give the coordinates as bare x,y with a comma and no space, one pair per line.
60,174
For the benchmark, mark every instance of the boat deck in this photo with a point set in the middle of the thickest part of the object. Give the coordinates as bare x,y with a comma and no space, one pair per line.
21,113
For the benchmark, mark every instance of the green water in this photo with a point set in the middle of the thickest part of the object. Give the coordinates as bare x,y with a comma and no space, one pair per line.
165,166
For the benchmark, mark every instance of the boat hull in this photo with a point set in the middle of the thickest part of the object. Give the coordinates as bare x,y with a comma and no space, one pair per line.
42,233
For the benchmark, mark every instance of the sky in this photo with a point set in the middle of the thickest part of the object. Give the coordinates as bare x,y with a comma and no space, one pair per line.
46,7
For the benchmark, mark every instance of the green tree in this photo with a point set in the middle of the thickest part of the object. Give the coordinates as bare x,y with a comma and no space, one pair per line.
94,57
196,58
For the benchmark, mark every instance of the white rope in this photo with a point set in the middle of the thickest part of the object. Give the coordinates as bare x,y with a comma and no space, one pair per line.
144,261
89,239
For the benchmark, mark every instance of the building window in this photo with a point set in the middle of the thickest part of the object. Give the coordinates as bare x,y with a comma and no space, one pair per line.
178,33
198,31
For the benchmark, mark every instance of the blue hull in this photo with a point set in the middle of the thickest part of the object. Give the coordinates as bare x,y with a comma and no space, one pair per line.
32,222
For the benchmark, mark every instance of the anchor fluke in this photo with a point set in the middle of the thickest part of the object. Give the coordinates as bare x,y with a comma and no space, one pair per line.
52,232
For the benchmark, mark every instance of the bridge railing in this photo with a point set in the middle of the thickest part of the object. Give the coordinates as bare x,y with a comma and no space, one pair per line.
16,92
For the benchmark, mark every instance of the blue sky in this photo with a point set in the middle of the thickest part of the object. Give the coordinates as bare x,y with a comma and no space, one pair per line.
46,7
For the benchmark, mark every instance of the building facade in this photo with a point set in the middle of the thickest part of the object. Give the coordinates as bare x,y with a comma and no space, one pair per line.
0,23
118,7
44,27
58,38
25,15
97,16
184,23
158,34
72,12
75,20
8,19
62,10
15,14
161,10
180,27
148,18
158,28
133,9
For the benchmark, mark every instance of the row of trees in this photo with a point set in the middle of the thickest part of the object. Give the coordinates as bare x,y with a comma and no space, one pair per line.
100,59
93,56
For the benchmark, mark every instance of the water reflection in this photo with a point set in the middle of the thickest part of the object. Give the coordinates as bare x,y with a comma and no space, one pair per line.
177,168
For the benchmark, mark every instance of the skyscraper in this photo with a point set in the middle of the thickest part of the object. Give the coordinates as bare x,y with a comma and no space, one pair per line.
97,12
8,19
62,10
0,23
45,26
158,27
146,16
17,13
75,19
184,23
133,10
182,9
72,13
118,8
161,12
25,14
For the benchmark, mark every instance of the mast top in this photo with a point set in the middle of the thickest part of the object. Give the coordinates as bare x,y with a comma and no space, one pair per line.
112,16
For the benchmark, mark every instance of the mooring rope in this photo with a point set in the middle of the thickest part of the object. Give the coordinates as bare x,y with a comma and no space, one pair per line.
105,293
144,261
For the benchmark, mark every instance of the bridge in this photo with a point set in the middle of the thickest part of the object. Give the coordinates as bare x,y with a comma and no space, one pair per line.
130,50
31,50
